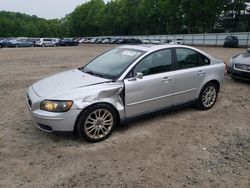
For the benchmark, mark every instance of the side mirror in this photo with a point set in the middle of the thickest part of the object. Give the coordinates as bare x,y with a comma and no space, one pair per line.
137,75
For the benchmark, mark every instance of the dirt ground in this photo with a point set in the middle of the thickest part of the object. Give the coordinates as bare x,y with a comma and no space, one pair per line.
183,148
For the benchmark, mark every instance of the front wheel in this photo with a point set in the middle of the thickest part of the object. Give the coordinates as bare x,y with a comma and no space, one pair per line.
208,96
97,123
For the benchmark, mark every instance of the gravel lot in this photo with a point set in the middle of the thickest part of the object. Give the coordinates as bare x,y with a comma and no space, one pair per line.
183,148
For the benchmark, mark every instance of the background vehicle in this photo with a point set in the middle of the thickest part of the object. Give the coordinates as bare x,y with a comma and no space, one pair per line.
33,40
123,83
99,41
231,41
93,40
167,41
145,41
20,43
106,41
134,41
44,42
4,43
55,41
68,42
239,66
156,41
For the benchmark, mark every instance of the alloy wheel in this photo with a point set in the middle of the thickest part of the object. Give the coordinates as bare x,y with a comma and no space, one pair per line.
99,123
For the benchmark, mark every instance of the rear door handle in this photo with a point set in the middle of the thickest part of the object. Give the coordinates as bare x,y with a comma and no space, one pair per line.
166,79
201,72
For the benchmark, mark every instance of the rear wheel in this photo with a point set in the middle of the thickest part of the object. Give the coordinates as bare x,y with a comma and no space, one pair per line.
43,45
97,123
208,96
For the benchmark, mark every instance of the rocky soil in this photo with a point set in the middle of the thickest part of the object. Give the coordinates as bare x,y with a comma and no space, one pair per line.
182,148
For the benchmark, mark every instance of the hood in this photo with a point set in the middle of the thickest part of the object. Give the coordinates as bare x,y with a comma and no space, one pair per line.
64,82
243,58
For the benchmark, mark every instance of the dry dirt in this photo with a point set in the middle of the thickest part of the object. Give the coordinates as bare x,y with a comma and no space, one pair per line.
183,148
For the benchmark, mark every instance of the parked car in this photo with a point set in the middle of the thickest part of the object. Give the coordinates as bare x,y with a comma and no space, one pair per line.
239,66
20,43
99,41
4,43
231,41
106,41
68,42
134,41
156,41
44,42
125,82
167,41
81,41
33,40
87,41
55,41
112,41
121,41
145,41
93,40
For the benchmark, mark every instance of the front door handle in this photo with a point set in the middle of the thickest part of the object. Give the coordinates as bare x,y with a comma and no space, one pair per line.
166,79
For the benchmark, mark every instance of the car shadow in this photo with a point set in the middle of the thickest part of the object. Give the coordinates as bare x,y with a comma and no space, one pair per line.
138,121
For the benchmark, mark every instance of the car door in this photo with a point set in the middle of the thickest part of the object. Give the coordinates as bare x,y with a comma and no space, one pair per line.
154,90
188,75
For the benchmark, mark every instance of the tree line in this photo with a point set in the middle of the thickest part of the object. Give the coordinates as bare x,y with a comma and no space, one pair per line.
134,17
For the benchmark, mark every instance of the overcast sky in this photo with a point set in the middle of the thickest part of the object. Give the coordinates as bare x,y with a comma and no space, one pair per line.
48,9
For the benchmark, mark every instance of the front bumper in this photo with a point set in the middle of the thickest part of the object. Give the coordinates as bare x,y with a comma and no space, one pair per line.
238,74
50,121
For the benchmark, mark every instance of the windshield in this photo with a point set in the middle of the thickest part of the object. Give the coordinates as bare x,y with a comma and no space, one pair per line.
112,63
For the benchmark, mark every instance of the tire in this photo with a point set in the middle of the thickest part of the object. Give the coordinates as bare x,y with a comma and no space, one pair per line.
90,124
43,45
16,46
208,96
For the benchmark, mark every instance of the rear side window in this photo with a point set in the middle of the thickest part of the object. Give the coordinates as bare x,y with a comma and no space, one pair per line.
187,58
204,60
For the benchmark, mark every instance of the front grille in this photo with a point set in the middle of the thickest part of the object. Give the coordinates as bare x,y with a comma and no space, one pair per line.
29,101
243,67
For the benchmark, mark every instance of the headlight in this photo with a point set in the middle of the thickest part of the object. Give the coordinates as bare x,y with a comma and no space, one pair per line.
56,106
230,64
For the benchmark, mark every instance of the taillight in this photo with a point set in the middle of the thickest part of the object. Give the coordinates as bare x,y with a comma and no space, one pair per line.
225,68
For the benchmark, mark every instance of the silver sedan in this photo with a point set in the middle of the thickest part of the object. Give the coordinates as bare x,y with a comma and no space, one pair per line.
239,66
123,83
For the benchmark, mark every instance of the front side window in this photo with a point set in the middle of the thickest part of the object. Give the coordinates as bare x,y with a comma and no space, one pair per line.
112,63
187,58
157,62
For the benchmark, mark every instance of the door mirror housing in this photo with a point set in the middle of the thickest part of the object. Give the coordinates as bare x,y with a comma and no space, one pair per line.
137,75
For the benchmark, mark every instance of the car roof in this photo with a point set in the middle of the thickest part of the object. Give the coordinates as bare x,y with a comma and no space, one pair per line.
154,47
